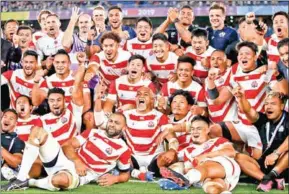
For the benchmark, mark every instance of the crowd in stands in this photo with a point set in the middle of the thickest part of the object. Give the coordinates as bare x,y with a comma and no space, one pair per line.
109,102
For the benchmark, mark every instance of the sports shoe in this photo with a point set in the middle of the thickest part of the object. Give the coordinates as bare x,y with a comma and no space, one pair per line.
8,173
168,184
279,184
146,176
265,186
15,185
175,176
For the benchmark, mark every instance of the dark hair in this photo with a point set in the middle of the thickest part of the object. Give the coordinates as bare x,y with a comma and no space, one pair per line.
241,20
145,19
23,27
201,118
133,57
10,110
62,52
114,7
41,13
280,13
186,59
28,98
184,93
218,5
283,42
186,7
159,36
55,91
251,45
10,21
110,35
199,32
31,53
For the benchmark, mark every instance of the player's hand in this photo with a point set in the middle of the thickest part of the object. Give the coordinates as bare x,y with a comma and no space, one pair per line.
100,89
2,64
166,130
273,65
173,14
80,168
205,62
15,40
81,57
125,107
107,180
147,76
196,110
238,92
124,35
75,14
270,159
250,17
264,29
169,156
179,52
172,77
213,73
161,103
38,75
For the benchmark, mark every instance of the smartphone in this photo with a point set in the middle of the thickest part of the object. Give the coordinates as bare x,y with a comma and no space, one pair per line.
258,27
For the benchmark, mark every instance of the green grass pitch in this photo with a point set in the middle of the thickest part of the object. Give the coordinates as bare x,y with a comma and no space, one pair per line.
142,188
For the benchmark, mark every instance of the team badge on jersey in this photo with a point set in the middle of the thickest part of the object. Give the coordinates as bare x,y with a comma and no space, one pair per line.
70,90
151,124
63,120
221,81
254,84
108,150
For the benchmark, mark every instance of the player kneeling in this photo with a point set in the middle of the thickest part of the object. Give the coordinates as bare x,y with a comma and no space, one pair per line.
207,161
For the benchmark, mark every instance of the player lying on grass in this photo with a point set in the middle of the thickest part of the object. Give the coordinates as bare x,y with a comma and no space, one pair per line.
207,161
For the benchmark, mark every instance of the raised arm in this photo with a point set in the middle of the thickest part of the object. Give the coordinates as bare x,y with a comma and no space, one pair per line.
77,92
244,105
67,39
37,94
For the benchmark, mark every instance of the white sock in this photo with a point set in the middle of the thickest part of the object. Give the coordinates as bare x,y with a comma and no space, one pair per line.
44,183
30,154
135,173
193,176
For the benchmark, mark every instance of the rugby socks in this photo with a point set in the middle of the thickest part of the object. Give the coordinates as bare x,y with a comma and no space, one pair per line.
193,176
138,174
270,176
30,154
44,183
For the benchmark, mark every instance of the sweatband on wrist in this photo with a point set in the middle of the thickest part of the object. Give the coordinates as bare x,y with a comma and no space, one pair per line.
213,93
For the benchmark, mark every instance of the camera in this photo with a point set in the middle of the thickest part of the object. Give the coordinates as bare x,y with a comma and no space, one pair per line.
256,23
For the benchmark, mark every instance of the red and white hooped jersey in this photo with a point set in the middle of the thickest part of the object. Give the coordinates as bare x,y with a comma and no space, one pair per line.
66,84
23,127
199,70
65,126
184,138
135,46
195,150
162,70
111,70
143,130
255,86
37,35
273,53
101,153
18,84
123,92
195,89
226,111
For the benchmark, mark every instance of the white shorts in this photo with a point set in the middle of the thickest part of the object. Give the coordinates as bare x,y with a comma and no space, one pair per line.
144,161
249,134
54,160
232,170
